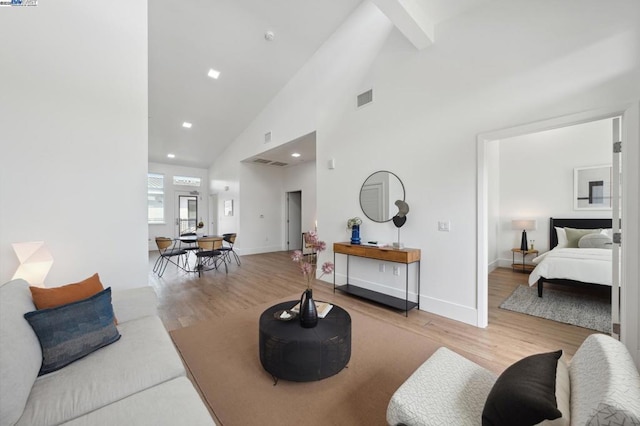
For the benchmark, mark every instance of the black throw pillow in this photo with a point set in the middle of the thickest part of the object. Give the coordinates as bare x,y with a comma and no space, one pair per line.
524,394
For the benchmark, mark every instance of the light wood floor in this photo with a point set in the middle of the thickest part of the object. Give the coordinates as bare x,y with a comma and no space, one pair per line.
186,299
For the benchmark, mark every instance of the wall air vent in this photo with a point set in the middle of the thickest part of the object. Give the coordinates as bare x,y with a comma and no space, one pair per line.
278,163
267,137
365,98
261,161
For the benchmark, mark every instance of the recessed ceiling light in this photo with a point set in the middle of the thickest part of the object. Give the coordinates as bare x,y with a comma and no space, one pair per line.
295,154
186,125
213,73
171,156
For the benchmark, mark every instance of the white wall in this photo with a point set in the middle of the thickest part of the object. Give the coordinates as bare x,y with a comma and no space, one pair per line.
536,179
171,192
261,209
73,114
302,177
263,197
491,68
308,99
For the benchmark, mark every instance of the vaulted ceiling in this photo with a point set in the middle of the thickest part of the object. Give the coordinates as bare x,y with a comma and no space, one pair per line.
188,38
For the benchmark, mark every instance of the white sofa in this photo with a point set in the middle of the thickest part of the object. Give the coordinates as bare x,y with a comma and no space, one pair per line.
137,380
602,387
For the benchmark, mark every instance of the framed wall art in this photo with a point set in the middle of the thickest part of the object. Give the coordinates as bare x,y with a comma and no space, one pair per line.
592,188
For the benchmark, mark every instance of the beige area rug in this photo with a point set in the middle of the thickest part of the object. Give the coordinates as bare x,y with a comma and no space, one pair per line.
222,356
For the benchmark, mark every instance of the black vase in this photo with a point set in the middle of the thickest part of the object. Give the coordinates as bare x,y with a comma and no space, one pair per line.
308,311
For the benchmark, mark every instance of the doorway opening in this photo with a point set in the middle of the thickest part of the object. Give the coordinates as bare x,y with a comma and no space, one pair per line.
187,214
490,222
293,223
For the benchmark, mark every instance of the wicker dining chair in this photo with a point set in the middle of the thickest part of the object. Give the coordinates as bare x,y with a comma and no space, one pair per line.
167,254
230,240
209,254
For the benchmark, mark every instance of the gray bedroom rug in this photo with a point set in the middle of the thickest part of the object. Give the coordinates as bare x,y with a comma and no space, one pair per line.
562,306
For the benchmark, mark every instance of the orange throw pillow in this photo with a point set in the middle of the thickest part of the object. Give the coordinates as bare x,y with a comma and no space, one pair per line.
45,298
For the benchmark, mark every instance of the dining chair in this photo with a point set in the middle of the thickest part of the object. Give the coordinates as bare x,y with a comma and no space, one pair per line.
209,254
187,241
230,240
307,247
167,252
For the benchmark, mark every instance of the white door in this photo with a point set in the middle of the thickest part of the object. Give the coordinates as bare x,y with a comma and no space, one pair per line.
616,215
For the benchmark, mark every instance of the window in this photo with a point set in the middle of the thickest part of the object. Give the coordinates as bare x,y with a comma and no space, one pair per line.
155,195
186,181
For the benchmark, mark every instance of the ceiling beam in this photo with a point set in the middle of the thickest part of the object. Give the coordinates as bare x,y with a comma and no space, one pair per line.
410,19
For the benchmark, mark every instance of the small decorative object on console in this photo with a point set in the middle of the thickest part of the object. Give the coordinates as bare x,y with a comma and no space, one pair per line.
354,224
400,219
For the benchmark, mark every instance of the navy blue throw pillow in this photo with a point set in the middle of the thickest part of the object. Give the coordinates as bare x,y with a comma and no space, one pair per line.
70,332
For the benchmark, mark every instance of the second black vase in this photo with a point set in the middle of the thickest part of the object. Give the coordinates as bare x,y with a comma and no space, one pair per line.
308,311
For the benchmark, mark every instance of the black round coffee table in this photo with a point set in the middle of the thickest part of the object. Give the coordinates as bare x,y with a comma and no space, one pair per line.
291,352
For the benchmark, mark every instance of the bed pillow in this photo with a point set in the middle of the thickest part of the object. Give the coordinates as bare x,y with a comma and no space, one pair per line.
73,331
601,241
45,298
525,393
562,237
574,235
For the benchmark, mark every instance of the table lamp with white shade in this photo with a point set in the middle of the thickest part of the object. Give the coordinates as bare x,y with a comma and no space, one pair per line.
524,225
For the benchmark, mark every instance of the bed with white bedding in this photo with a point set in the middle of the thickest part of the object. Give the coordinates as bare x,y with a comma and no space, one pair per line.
574,265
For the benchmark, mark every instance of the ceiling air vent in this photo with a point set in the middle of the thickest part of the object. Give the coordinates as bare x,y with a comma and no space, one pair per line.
261,161
267,137
278,163
365,98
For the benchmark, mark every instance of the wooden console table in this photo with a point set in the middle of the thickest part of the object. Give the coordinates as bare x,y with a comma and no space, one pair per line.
406,256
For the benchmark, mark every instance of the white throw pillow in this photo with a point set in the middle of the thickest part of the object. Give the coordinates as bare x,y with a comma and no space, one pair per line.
563,396
600,241
562,237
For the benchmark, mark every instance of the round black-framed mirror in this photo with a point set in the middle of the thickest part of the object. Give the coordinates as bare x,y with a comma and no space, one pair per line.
378,195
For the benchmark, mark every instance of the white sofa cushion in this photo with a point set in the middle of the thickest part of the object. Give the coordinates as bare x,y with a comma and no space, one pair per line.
134,303
142,358
20,354
175,402
447,389
604,383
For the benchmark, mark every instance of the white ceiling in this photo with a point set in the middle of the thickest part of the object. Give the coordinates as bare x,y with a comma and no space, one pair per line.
188,38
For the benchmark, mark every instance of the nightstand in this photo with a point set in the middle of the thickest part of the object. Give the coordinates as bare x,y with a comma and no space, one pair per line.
522,267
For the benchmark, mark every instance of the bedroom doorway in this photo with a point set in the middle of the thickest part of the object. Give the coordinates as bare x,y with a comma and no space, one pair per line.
488,224
616,214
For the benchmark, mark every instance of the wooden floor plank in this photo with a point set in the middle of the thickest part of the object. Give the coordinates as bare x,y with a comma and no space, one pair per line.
185,299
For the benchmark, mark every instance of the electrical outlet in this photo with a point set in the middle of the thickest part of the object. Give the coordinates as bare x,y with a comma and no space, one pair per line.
444,225
396,270
381,267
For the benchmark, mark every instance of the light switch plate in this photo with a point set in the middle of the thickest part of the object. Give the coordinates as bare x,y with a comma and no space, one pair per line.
444,225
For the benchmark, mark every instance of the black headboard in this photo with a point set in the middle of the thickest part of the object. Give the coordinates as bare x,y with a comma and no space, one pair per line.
591,223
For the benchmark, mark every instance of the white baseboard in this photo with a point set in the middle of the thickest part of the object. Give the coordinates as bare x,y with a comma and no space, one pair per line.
446,309
256,250
450,310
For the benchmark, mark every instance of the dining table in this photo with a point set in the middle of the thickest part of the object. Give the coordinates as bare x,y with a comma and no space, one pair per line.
192,246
